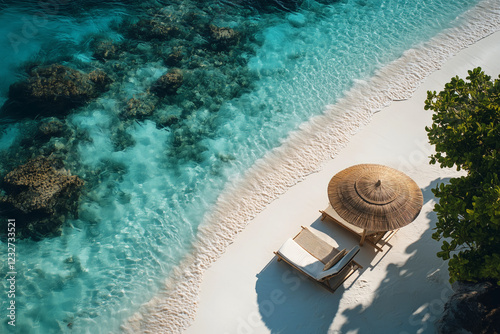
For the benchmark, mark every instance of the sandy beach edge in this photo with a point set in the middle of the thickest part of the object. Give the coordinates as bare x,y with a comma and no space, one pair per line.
305,161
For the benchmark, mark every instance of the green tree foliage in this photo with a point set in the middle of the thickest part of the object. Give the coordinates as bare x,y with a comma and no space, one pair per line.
466,135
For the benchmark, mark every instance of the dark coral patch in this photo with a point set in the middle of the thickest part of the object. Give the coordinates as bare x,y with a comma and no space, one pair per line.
169,83
41,193
54,89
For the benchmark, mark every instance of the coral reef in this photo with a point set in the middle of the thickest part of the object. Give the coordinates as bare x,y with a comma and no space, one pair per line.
222,38
101,81
205,53
57,89
41,192
168,83
175,57
51,127
206,56
140,107
105,50
148,29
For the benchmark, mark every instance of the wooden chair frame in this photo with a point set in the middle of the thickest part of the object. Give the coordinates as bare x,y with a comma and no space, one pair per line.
372,238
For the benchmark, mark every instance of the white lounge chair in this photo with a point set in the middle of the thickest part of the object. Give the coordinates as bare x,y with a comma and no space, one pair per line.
309,254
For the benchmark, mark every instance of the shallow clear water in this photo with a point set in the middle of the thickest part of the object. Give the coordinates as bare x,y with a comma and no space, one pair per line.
148,182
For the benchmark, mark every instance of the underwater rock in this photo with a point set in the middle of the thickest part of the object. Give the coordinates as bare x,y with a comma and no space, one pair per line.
222,37
51,127
100,79
105,50
149,29
140,107
197,19
171,22
55,89
210,87
175,57
41,192
168,83
168,120
473,308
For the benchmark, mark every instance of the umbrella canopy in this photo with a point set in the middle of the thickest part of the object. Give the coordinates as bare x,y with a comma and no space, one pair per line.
375,197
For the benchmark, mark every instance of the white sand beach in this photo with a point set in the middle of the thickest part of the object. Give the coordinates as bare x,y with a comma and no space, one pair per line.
401,290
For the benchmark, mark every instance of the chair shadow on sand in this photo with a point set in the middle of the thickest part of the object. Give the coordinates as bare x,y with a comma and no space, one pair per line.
291,303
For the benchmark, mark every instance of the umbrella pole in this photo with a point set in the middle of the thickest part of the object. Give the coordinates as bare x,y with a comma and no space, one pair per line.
363,238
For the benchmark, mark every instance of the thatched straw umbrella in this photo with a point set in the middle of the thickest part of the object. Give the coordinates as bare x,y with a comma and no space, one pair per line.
375,197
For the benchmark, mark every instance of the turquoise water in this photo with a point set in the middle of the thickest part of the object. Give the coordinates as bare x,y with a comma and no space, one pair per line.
149,182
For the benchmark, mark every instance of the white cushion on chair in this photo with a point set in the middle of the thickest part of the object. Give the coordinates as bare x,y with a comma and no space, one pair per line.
300,258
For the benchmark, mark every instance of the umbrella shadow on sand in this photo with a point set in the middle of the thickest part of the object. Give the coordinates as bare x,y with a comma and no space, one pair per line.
291,303
422,279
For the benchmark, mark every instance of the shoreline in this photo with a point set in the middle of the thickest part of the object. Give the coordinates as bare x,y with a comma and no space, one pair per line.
302,169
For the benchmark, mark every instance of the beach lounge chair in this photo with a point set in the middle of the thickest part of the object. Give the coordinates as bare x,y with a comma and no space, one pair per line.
311,255
376,239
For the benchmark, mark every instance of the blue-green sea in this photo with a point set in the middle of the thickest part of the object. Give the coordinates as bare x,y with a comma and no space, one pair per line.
151,175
